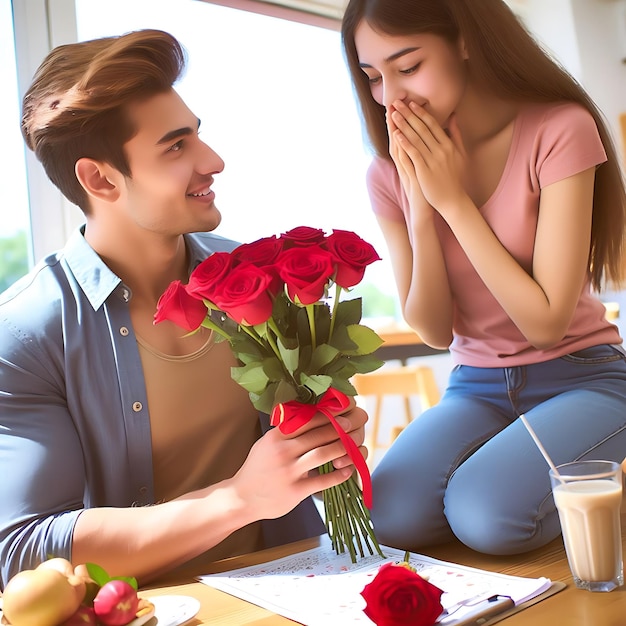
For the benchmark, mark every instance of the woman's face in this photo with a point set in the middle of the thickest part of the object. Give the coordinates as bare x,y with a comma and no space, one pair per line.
422,68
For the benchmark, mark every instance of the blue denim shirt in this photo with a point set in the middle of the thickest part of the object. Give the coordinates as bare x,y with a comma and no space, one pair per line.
74,422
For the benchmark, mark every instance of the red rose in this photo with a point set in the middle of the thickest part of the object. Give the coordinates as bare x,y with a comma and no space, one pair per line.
303,236
351,254
400,597
208,274
261,252
243,294
306,272
178,306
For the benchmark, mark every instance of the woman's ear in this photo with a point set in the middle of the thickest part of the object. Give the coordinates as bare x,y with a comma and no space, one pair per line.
463,49
98,179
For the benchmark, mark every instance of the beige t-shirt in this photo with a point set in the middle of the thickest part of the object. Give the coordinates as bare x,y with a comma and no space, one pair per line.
195,406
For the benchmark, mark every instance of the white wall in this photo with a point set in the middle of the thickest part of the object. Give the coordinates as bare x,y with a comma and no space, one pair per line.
589,38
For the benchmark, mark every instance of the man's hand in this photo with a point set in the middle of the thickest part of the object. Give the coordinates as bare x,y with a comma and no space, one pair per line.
281,470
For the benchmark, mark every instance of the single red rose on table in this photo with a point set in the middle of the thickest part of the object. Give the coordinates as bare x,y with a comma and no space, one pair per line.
178,306
398,596
351,254
306,272
243,294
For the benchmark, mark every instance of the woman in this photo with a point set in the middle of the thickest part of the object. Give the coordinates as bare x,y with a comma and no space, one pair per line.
499,194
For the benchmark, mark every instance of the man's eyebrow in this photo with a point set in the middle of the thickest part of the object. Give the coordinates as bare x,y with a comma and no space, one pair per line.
394,56
179,132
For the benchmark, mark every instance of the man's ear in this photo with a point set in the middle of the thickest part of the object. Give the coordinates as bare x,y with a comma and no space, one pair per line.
99,180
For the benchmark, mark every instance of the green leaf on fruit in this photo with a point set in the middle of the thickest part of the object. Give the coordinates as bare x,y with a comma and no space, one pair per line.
101,577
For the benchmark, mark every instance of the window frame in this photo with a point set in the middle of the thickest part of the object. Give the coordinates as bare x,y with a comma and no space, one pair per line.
41,25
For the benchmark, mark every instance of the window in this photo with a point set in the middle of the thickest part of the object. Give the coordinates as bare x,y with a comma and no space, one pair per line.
276,103
15,246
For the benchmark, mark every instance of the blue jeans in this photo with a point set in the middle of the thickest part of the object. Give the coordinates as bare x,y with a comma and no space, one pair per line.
468,467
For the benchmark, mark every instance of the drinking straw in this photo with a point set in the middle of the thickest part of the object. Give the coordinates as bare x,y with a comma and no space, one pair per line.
543,451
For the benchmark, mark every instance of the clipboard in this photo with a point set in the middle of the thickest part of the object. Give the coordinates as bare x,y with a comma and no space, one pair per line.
554,588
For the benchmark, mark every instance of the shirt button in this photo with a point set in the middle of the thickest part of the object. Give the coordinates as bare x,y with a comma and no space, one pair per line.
137,406
123,331
143,490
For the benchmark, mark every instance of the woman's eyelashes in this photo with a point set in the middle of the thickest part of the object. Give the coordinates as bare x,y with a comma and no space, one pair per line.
411,70
374,80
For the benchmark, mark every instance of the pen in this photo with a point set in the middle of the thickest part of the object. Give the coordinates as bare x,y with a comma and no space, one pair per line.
485,611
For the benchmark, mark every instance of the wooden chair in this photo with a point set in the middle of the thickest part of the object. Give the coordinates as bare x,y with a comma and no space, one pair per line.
404,381
612,310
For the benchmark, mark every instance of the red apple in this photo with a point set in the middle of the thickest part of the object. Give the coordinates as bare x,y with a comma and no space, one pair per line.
84,616
116,603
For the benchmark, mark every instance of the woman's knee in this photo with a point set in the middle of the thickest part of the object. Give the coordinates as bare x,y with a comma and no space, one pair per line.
405,513
488,521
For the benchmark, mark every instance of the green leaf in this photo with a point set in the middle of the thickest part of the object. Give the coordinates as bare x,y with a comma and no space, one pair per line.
273,368
305,359
242,343
318,384
321,315
305,395
285,392
365,338
274,393
365,363
285,313
128,579
342,342
349,312
264,402
322,356
303,329
97,573
251,377
247,358
290,357
343,385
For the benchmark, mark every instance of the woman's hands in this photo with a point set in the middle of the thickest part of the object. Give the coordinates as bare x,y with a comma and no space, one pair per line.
430,162
281,470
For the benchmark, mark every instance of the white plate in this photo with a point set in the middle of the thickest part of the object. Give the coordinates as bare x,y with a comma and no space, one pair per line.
170,611
174,610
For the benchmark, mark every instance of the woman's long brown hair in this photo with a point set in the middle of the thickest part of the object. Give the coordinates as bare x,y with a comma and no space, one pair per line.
505,60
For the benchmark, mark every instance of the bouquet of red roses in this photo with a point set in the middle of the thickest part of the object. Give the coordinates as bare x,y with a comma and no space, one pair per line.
297,342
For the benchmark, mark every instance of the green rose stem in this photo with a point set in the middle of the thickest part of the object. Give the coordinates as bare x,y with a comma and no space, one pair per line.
335,305
347,519
361,515
211,325
310,313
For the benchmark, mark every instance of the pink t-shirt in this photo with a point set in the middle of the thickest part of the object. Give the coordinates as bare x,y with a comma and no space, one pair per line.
550,142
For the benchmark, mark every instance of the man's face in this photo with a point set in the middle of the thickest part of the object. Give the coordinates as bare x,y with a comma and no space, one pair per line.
169,191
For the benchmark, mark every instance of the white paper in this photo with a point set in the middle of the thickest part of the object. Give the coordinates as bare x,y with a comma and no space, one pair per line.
321,588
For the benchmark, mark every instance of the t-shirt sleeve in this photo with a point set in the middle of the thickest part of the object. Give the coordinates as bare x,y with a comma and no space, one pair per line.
383,186
567,143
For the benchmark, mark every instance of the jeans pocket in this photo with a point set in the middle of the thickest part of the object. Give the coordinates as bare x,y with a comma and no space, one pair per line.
605,353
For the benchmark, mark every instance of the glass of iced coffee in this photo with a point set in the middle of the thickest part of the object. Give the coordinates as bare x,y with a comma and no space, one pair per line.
588,496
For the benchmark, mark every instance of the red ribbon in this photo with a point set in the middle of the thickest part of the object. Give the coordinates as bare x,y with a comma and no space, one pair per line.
289,416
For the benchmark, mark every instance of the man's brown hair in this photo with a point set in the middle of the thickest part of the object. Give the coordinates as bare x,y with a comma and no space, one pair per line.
76,105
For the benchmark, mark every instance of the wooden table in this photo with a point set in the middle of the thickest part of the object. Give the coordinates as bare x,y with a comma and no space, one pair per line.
570,607
402,343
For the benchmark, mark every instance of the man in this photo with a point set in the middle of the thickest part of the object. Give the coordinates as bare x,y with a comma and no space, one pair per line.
122,442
